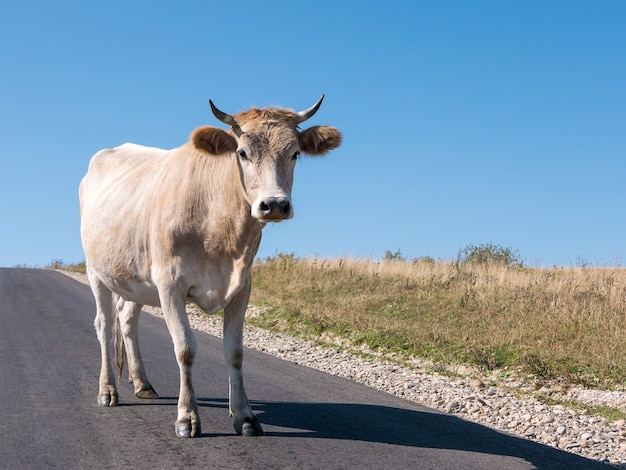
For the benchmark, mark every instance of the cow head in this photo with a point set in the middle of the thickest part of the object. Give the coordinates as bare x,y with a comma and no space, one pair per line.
266,144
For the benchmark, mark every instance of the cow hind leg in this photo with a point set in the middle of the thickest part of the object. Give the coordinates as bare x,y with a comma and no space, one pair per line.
104,325
128,315
245,422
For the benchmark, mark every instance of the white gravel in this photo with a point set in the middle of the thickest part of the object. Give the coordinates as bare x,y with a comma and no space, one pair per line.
502,400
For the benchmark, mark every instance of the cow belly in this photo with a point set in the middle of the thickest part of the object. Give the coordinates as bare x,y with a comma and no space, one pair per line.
145,293
139,292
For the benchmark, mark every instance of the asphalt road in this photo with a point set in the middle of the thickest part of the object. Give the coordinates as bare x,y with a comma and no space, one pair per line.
49,365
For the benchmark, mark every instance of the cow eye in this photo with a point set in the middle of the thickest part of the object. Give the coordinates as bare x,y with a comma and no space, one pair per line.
295,156
242,154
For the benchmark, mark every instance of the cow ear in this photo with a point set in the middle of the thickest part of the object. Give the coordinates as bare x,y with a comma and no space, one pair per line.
318,140
213,140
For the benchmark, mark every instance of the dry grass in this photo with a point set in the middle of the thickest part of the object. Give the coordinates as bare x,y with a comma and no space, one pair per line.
561,323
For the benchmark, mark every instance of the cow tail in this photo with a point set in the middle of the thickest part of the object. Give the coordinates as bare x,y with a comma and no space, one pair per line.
120,346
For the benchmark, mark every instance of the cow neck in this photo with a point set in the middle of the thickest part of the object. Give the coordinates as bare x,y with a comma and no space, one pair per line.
212,207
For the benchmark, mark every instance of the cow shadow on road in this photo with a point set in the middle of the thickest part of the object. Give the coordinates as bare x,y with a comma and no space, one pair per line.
406,427
389,425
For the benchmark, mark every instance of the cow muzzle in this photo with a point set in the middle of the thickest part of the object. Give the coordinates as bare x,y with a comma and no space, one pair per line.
273,209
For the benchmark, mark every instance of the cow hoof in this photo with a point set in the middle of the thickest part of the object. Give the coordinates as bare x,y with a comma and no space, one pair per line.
250,427
188,428
107,399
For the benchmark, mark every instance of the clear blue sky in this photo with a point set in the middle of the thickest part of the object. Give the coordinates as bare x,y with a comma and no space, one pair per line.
464,122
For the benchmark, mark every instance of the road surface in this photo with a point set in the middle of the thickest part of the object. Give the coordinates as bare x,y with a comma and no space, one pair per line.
49,366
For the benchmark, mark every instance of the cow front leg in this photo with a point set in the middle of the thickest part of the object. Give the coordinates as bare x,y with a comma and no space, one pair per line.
188,421
128,314
245,422
104,324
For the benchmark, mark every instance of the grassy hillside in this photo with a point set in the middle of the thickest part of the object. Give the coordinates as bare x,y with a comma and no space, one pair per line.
562,323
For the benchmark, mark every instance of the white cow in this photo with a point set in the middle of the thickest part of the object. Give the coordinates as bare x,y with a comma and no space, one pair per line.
171,227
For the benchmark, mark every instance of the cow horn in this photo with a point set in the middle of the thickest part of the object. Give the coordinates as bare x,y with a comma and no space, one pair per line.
222,116
306,114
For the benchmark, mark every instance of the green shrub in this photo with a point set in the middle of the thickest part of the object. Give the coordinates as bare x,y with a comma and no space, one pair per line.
397,256
490,254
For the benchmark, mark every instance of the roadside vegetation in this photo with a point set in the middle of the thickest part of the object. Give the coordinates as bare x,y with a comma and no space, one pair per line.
485,309
74,267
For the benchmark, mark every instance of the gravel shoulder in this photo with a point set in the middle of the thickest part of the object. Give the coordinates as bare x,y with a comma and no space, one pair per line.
501,401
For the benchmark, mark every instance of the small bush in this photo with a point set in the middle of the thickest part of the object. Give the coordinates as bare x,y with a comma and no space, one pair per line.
537,366
397,256
490,254
56,264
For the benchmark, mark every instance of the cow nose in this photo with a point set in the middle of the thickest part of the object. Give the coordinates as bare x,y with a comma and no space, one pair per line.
275,208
